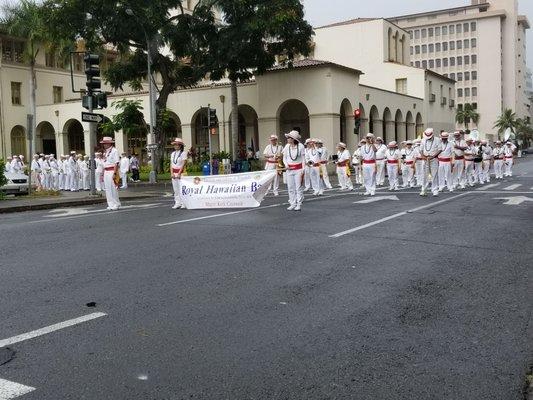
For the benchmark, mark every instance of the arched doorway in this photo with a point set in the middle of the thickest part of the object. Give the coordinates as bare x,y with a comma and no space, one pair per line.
373,120
46,138
293,114
399,127
388,126
419,125
75,136
248,130
171,129
18,141
346,115
410,126
200,130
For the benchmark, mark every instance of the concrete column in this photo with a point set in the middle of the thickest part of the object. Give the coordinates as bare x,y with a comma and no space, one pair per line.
402,131
410,131
351,138
388,134
186,134
268,126
377,128
326,127
121,142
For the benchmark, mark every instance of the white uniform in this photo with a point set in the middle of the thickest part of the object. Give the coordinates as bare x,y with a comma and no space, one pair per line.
72,174
393,166
509,160
470,173
16,166
445,166
61,176
85,174
54,177
111,159
124,169
419,164
487,158
324,157
99,174
459,176
408,167
35,168
499,155
380,164
294,160
430,147
478,161
177,165
356,163
312,160
270,153
343,170
368,157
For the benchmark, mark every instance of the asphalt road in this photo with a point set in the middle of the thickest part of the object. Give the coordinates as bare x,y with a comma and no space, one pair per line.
415,298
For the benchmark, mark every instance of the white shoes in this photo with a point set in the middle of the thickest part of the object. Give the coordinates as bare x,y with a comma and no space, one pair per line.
176,206
291,208
298,208
276,194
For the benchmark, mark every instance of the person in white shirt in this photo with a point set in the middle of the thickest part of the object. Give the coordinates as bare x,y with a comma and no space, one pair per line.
368,158
459,147
307,171
381,161
61,176
178,162
85,173
487,161
499,158
393,156
272,154
111,161
22,163
16,165
478,161
7,166
312,160
343,167
419,162
408,165
124,169
35,169
324,157
470,154
47,173
294,160
72,172
54,176
99,171
509,158
445,163
430,148
356,163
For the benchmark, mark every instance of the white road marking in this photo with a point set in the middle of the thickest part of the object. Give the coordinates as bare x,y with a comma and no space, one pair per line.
12,390
515,200
487,187
377,198
49,329
379,221
512,187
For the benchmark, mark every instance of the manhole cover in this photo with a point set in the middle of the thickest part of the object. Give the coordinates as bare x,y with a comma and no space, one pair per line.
6,355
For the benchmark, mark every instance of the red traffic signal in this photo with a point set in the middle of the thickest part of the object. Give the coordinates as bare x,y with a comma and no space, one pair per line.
357,113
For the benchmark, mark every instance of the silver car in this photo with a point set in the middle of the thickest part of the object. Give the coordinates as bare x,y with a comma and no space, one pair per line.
17,183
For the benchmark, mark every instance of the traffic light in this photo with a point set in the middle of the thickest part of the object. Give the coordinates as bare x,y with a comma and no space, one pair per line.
357,120
213,120
92,71
101,100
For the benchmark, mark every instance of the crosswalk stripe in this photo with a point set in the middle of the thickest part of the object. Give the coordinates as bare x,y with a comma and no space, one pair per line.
488,187
512,187
11,390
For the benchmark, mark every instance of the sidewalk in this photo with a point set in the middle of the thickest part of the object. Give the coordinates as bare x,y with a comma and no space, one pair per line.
135,191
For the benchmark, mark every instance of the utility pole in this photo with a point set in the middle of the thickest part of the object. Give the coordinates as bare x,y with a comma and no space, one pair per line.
29,130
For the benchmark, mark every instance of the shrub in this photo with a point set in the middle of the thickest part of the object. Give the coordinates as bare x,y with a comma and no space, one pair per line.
3,179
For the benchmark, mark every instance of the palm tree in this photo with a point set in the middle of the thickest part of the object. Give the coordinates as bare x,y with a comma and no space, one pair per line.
524,131
466,115
506,120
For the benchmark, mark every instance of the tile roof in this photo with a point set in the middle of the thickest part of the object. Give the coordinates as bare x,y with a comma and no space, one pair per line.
310,63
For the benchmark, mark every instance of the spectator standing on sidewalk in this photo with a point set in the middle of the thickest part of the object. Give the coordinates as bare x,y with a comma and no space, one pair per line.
124,169
134,167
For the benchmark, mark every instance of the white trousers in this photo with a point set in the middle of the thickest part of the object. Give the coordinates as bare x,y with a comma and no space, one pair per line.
99,181
419,174
314,176
408,172
111,192
294,185
45,180
72,182
307,177
357,174
86,180
392,172
445,175
380,172
430,173
62,181
459,177
470,173
369,178
344,180
275,184
477,172
508,169
498,169
325,177
176,185
485,171
124,178
54,181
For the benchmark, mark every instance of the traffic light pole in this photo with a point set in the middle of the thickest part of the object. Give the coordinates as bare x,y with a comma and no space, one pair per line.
92,145
151,136
209,134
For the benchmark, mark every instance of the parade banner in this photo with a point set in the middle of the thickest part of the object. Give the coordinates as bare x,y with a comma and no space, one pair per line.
245,190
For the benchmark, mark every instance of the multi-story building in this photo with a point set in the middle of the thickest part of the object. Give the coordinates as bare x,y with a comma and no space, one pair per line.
482,46
529,92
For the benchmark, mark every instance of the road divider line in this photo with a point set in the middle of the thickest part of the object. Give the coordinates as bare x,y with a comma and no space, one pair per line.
400,214
12,390
49,329
512,187
481,189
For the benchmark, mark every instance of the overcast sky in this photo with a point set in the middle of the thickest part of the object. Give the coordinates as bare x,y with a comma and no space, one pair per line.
321,12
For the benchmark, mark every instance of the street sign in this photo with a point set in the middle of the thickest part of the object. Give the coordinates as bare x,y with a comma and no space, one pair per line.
152,146
90,117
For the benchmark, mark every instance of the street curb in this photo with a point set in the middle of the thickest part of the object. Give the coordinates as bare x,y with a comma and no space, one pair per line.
59,204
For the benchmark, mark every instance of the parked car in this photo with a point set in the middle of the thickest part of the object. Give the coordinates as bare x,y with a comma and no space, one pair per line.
17,183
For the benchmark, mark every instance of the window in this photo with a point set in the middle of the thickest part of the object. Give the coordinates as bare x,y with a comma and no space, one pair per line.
467,92
417,34
459,60
459,77
467,76
444,30
417,64
445,46
431,48
473,26
458,28
445,62
424,48
466,27
430,32
431,64
474,106
459,45
474,91
445,75
437,31
474,75
466,43
417,49
15,93
467,60
437,47
401,86
424,33
438,62
474,59
452,29
411,34
412,50
473,43
58,94
452,75
452,45
18,52
49,58
452,61
425,64
459,92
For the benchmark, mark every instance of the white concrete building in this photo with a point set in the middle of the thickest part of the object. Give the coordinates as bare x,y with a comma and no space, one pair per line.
482,46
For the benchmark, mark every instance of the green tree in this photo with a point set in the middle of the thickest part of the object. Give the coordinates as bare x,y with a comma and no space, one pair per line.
524,132
506,120
252,34
130,119
466,115
3,179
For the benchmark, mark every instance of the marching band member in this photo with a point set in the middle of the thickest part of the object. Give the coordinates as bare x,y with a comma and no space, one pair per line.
459,147
478,161
178,162
61,175
99,171
445,163
419,162
509,158
356,163
272,154
111,161
85,173
408,169
430,150
72,172
124,169
312,159
307,172
470,154
294,160
381,151
35,169
499,157
324,157
54,179
343,167
487,160
46,172
393,156
368,156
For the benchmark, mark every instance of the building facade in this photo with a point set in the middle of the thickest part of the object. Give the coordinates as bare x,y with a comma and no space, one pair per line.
483,47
